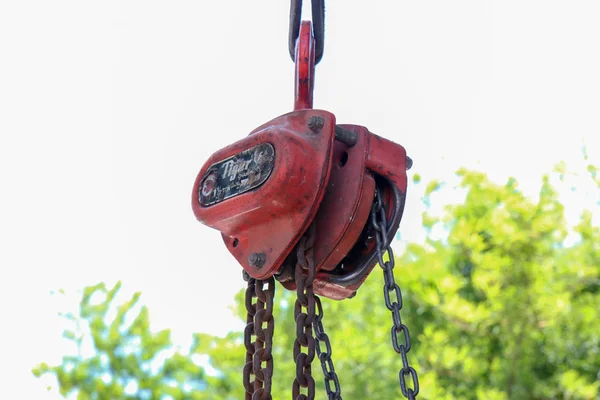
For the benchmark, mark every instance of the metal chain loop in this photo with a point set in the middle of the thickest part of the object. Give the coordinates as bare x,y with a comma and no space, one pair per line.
318,23
260,325
304,314
325,356
393,298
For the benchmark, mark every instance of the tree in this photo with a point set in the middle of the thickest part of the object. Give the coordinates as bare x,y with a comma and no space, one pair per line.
128,360
498,306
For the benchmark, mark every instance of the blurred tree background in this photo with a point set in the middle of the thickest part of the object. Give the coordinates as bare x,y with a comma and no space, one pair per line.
499,306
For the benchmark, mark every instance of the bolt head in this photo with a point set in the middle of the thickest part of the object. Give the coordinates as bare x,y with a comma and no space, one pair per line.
245,276
409,163
315,123
257,260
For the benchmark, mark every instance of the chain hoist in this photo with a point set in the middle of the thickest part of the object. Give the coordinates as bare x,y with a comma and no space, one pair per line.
314,205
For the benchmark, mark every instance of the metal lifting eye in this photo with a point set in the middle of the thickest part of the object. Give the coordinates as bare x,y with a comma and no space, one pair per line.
318,22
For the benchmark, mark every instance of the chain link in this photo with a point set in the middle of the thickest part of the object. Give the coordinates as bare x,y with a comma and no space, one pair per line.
325,356
318,23
304,314
393,298
260,325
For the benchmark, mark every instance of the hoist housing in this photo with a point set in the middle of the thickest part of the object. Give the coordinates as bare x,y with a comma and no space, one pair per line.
264,191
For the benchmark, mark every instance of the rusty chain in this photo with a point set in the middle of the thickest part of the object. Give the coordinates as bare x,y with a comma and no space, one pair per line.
260,350
379,223
308,313
304,314
260,325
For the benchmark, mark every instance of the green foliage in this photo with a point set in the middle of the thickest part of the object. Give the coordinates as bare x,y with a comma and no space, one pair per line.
511,310
498,308
127,360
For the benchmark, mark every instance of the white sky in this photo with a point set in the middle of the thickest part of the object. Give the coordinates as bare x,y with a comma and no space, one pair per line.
108,109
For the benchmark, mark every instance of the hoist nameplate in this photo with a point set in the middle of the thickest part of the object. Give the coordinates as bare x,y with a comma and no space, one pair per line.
237,174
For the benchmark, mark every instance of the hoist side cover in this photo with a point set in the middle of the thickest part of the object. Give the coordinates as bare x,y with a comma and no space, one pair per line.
263,191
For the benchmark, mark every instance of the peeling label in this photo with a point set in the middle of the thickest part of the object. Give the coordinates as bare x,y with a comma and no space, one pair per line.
237,174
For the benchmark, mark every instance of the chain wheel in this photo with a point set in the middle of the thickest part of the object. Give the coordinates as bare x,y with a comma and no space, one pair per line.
394,304
260,325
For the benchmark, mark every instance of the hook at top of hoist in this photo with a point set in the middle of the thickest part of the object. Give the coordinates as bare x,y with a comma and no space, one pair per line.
318,23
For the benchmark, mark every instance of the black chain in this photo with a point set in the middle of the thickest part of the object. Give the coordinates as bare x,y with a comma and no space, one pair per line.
304,276
259,351
325,356
318,22
379,223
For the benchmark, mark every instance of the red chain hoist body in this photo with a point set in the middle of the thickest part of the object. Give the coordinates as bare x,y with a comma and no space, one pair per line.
263,192
314,205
